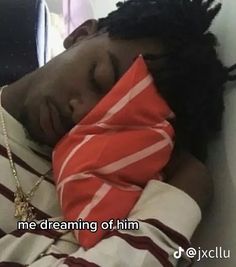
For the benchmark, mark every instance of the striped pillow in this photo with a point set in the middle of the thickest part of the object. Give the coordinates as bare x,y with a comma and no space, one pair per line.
102,165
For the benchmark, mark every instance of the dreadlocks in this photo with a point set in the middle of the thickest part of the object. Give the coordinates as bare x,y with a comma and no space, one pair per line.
191,77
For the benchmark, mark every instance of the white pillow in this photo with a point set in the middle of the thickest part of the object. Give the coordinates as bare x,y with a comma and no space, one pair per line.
219,227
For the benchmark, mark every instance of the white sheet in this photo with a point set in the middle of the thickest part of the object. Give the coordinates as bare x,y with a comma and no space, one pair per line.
219,227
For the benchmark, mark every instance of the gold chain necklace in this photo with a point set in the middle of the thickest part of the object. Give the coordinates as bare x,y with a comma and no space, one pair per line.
23,208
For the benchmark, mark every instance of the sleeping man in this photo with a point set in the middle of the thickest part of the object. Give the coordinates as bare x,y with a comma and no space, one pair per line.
170,41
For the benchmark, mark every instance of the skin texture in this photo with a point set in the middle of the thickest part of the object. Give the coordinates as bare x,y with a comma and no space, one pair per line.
51,100
191,176
73,82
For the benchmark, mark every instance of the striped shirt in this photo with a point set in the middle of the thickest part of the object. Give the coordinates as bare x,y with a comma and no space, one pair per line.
167,218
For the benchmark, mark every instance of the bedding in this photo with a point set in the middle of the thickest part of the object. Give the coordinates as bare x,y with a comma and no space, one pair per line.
103,164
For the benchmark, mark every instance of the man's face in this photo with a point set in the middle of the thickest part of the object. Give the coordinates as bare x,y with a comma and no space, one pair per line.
70,85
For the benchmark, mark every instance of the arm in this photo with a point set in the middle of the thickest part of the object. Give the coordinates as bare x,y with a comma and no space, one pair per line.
167,217
191,176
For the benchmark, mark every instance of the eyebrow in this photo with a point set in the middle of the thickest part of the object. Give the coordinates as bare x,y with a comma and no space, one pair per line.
115,65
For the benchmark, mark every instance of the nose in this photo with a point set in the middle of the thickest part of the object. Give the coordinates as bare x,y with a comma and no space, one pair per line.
76,108
80,107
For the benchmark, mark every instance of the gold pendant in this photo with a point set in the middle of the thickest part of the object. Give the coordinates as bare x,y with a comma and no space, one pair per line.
23,210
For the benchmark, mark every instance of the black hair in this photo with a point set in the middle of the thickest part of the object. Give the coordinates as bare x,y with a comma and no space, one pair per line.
191,77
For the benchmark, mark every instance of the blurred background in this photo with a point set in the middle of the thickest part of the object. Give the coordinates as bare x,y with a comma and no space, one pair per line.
66,15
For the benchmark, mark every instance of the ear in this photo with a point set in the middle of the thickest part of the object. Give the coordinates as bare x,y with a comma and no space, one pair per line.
86,29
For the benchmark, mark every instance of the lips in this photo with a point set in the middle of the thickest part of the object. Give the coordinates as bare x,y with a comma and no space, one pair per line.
56,119
50,121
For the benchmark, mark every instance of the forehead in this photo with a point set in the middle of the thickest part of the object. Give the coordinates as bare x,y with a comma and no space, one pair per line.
125,50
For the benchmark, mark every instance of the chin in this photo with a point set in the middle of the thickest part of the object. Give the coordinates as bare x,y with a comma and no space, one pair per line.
34,131
44,140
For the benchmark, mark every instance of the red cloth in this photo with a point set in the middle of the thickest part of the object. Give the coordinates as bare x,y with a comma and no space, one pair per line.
103,164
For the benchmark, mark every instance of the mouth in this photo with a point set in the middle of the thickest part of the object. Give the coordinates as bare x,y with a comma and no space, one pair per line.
50,121
56,119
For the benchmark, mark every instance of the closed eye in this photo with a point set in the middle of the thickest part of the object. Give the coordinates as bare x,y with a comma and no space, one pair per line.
95,85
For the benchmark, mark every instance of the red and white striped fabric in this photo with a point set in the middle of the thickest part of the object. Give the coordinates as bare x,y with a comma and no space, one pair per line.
102,165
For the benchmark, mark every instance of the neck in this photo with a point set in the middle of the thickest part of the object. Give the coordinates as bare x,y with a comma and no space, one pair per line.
14,95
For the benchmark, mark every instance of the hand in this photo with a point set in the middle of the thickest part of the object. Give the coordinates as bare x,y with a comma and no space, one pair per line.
187,173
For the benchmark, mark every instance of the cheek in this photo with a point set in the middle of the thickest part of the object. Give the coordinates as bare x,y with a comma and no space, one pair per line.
81,106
